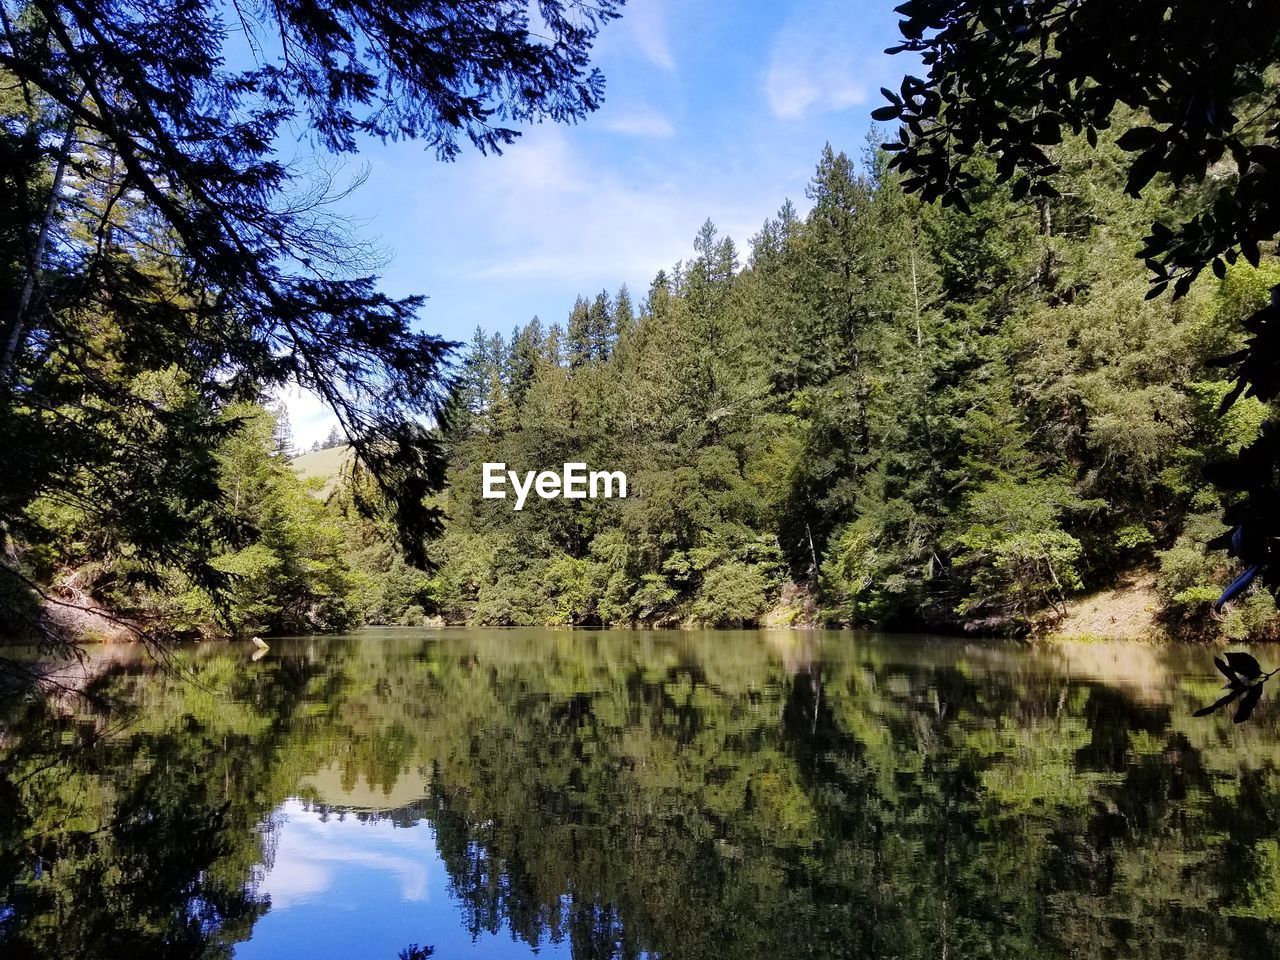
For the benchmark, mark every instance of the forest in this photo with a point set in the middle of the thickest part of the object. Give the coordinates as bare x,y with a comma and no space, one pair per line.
882,414
935,400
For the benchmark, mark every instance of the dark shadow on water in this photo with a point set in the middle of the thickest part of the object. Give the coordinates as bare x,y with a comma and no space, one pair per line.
1245,682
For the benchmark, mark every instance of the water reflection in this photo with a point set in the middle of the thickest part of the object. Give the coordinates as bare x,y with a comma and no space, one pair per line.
593,795
342,885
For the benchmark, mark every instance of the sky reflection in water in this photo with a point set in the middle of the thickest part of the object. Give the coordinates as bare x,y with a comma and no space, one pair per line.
344,887
685,795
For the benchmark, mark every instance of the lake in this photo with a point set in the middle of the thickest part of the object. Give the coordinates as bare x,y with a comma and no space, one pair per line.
713,794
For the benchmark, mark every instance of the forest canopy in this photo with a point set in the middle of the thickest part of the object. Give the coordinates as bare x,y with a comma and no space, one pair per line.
1193,87
884,413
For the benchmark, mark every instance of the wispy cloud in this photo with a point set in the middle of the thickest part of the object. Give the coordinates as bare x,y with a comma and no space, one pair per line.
564,219
639,122
642,33
712,110
815,66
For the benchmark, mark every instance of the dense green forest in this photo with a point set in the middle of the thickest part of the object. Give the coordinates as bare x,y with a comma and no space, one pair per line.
888,412
884,413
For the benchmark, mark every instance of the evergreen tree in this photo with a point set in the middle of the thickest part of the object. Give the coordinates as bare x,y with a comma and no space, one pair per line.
578,340
923,416
602,333
527,348
1194,86
283,434
333,439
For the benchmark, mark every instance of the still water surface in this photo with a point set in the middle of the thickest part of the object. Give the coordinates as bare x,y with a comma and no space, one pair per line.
684,795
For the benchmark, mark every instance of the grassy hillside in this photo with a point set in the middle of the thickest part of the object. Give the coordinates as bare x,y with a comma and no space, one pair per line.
324,464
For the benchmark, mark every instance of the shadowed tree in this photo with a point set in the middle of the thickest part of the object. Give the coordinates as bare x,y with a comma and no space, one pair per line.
151,224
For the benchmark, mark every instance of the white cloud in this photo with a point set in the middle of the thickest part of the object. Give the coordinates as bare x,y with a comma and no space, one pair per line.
644,28
814,68
310,418
795,87
296,881
639,122
640,35
561,218
311,850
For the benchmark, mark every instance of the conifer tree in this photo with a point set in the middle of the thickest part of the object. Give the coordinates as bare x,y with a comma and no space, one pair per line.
578,340
602,333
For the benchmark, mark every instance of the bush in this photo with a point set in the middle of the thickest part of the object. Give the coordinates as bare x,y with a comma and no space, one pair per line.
733,594
414,616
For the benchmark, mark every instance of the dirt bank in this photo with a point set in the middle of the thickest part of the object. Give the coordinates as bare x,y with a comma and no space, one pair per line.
1127,611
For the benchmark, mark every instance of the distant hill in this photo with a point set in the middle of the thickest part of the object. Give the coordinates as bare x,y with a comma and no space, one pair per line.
325,464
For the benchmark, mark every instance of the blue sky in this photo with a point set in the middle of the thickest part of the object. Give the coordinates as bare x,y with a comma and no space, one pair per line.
713,109
343,888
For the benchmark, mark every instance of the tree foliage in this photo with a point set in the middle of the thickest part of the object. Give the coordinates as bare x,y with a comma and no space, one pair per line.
152,230
1193,86
918,415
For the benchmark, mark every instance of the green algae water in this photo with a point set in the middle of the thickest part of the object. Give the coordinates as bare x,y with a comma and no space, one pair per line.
715,794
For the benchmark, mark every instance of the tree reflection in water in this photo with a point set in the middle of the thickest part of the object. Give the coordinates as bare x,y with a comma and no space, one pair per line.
682,795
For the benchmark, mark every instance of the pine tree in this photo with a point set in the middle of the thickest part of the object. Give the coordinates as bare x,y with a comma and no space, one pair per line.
578,341
283,434
527,350
602,334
